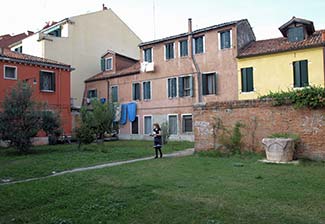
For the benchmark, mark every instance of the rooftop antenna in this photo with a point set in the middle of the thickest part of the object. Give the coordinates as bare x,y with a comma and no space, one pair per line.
154,18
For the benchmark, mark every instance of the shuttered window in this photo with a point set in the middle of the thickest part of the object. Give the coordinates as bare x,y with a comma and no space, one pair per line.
296,34
10,72
247,81
187,124
108,64
172,88
135,126
92,93
47,81
199,45
225,39
147,55
114,91
185,86
209,84
147,125
169,51
183,48
300,73
146,90
136,95
172,124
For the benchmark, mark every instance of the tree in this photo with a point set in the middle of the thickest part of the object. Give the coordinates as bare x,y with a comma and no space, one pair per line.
20,119
51,125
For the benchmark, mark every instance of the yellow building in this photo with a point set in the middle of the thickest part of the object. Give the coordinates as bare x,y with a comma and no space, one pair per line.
295,60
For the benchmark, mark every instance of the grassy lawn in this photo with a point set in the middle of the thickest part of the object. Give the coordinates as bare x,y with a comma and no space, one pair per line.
194,189
45,159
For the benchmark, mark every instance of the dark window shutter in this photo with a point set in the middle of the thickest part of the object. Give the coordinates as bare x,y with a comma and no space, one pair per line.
148,90
181,86
53,81
250,81
243,80
138,91
296,74
134,97
102,64
227,39
215,83
304,73
150,55
41,82
169,88
191,86
204,84
174,88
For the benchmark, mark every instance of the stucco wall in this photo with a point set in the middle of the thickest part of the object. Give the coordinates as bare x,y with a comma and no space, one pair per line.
274,72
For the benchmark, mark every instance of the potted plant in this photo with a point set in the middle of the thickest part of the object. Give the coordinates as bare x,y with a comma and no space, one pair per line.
280,147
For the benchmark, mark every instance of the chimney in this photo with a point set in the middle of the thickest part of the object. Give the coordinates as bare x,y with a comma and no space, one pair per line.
323,36
104,7
190,29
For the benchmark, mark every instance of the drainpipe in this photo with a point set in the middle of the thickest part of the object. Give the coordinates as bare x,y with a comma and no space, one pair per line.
192,55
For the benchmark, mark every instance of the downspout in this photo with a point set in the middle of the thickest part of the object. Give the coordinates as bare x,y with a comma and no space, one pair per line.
197,68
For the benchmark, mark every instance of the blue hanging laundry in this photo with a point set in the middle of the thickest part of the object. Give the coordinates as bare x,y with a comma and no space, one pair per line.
124,109
132,111
103,100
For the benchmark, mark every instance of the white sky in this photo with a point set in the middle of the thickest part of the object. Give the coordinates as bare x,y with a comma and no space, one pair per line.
265,16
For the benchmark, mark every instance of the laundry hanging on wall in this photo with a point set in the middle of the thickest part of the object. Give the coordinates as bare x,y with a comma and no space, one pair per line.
132,111
124,109
117,116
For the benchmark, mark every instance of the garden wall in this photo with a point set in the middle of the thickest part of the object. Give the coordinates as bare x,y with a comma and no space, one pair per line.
261,119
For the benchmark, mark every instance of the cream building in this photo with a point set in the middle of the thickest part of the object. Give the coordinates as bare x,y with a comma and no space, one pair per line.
80,41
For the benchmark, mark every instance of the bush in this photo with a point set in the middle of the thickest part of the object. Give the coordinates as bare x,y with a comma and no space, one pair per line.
85,135
165,132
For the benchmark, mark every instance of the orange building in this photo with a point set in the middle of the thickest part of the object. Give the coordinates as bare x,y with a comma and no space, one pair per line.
49,79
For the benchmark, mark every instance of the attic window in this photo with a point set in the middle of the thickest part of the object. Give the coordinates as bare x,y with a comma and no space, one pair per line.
296,34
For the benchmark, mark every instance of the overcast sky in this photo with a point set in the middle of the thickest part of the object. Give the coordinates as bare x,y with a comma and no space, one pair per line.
171,16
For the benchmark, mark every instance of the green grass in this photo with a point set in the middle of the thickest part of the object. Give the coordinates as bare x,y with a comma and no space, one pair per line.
44,160
194,189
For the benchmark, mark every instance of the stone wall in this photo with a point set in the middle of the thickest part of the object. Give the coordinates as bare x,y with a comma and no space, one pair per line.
261,119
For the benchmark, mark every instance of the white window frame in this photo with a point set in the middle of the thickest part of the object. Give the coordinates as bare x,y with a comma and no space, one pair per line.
106,59
219,40
182,124
138,126
204,51
177,123
4,72
143,54
111,91
150,90
47,91
176,88
144,123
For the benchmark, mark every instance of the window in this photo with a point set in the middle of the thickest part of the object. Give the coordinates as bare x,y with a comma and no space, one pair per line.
47,81
114,91
172,124
172,88
247,82
147,125
108,64
300,73
209,84
183,48
92,93
187,123
135,126
10,72
199,45
169,51
147,55
185,86
55,32
136,91
19,49
296,34
225,39
146,90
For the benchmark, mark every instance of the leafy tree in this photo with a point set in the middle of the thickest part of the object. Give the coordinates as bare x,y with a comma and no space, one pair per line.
20,119
165,132
51,125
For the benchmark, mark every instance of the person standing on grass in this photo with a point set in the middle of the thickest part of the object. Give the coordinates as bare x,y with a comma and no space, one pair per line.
157,139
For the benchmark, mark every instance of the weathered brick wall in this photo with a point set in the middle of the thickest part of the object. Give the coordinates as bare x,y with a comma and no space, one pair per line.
261,119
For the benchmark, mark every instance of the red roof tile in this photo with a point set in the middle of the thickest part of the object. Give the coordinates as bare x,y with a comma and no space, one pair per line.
282,44
7,40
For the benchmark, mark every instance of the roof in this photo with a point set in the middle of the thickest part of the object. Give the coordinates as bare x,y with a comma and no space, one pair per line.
134,69
277,45
219,26
7,40
118,54
307,23
9,55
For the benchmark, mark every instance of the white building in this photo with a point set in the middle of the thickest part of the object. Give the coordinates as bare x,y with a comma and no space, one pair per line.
80,41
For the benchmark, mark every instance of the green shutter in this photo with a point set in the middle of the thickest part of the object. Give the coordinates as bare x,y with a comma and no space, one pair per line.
296,74
243,80
174,88
191,86
304,73
181,86
102,64
169,88
250,81
204,84
133,92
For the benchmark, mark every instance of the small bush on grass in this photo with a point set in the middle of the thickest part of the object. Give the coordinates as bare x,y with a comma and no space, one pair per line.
165,132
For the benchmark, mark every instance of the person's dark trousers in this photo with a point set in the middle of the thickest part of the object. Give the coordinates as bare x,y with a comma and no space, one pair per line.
158,149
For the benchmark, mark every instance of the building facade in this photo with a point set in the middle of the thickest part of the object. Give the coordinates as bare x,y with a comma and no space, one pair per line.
295,60
49,79
173,74
80,41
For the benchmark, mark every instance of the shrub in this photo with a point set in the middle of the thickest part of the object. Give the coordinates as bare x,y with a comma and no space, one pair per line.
165,132
85,135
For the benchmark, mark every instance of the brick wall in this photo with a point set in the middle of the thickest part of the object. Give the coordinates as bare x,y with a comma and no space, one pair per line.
261,119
